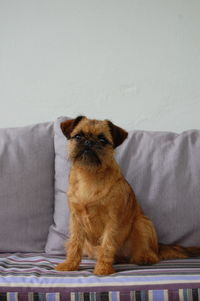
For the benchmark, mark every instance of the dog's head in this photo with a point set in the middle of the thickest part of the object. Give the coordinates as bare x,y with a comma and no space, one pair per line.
92,142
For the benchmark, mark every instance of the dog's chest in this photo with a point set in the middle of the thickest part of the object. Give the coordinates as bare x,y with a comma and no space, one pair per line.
86,210
86,191
87,201
92,218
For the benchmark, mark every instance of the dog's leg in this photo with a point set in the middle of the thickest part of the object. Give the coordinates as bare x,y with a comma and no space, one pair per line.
74,247
106,252
144,242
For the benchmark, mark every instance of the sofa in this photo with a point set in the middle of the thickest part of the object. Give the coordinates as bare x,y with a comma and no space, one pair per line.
164,171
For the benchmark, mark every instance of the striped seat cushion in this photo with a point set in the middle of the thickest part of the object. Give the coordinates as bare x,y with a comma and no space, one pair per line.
31,277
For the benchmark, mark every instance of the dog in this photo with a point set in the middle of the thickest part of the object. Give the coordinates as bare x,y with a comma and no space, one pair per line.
106,221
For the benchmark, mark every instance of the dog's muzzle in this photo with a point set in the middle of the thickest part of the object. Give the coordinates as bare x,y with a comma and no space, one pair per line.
87,153
89,143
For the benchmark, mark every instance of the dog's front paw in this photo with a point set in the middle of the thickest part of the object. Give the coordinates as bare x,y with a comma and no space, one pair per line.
65,266
103,269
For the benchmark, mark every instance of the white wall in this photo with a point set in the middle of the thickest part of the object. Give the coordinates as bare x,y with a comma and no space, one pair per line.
136,62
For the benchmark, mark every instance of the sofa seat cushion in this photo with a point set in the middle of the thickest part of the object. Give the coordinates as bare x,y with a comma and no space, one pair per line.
32,277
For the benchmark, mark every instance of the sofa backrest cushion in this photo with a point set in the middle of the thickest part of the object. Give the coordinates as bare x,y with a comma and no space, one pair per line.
59,230
26,187
164,170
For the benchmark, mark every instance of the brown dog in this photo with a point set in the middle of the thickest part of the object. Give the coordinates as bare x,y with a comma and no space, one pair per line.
106,222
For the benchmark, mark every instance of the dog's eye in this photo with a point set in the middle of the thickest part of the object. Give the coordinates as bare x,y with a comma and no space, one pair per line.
102,139
78,136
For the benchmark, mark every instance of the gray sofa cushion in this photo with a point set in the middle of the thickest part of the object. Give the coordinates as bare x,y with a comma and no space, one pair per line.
58,232
26,187
163,169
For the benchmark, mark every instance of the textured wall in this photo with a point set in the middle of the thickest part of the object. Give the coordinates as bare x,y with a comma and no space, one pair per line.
136,62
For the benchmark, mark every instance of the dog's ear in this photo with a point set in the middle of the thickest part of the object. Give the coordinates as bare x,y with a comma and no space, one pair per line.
118,134
68,125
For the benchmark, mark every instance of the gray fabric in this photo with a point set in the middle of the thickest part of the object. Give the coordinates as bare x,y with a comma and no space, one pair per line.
26,187
58,232
163,169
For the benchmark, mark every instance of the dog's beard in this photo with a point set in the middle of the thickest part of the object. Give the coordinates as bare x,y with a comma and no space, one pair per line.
86,156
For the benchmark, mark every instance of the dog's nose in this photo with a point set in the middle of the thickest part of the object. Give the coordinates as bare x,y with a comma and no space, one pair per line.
88,143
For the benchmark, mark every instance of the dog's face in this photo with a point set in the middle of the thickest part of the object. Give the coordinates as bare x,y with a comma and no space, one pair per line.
92,142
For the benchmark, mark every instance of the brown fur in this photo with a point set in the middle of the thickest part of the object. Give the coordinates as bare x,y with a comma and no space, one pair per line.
106,221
